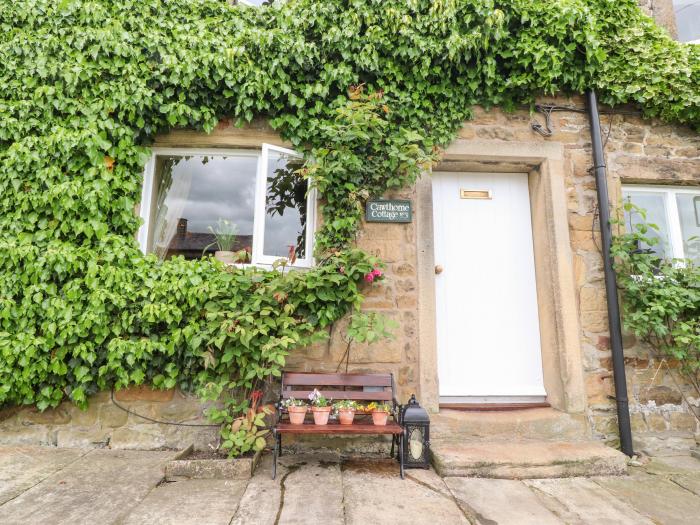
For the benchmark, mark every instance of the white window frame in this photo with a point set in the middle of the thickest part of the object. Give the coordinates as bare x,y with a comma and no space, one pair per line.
258,258
675,233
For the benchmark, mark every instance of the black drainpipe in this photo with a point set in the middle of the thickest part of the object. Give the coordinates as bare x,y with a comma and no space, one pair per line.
618,356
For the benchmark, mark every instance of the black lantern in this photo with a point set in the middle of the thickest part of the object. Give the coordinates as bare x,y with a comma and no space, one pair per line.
416,445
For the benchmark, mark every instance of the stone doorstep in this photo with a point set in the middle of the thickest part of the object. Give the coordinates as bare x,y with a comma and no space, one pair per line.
523,460
540,424
181,468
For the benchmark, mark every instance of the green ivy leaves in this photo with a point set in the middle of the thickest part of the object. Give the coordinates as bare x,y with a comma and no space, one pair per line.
661,297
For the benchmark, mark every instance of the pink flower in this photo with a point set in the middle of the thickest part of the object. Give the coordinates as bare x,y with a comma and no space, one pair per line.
369,277
377,272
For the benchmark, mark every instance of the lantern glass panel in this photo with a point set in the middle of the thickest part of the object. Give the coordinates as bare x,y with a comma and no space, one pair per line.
415,444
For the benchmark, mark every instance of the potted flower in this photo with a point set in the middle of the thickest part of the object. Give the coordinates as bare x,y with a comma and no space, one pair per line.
320,406
380,412
346,411
297,410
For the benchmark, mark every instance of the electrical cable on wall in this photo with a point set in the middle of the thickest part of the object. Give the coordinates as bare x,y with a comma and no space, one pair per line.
547,110
159,421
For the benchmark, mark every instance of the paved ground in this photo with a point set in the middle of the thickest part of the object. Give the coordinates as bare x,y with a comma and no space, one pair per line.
73,486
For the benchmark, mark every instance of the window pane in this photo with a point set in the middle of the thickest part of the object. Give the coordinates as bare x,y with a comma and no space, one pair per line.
195,195
285,207
688,20
655,206
689,212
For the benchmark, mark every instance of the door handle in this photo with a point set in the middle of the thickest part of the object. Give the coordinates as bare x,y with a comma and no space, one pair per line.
438,269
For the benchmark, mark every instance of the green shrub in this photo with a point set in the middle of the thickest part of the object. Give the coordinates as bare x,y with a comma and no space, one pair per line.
661,297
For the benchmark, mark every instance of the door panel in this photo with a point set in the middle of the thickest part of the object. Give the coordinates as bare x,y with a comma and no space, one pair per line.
486,303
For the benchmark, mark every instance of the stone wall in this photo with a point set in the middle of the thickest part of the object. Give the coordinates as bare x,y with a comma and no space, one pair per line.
105,424
662,12
637,151
395,297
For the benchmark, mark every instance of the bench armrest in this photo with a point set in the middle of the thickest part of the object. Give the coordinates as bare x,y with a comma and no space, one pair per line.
278,411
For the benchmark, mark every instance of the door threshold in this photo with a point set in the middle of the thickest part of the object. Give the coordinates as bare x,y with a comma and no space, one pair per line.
492,403
492,407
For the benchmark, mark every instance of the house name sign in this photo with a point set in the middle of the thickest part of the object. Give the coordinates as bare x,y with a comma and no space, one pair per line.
380,210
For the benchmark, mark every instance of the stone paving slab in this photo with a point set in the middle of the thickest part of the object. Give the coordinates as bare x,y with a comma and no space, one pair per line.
673,465
308,489
23,467
684,471
375,493
500,501
100,487
578,501
689,483
311,491
191,502
656,497
62,486
260,503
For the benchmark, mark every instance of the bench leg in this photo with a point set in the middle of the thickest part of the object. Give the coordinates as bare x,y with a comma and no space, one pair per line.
393,440
402,437
275,451
279,445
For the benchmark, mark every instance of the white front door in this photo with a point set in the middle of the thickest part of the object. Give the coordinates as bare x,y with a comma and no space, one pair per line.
488,334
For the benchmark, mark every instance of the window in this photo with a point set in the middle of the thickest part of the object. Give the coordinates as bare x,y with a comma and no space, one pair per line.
189,195
256,3
676,212
688,20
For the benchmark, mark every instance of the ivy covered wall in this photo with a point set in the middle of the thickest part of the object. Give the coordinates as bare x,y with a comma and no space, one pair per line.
368,89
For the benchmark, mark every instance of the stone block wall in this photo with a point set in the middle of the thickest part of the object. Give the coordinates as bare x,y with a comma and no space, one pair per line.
637,151
396,297
662,12
105,424
662,406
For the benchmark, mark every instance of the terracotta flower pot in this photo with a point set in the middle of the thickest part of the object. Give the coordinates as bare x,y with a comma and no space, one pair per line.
321,415
296,415
379,418
346,416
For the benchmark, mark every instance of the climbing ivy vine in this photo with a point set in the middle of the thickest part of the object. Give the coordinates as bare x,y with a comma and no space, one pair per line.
369,90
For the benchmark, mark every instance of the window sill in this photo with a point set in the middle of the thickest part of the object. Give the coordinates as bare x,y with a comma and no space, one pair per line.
269,267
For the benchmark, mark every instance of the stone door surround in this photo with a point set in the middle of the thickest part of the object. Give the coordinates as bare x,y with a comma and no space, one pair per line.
556,293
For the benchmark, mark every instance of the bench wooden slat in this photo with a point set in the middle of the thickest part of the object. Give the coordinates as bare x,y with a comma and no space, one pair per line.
309,379
333,427
356,395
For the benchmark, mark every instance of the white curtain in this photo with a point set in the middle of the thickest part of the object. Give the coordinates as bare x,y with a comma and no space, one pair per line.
173,191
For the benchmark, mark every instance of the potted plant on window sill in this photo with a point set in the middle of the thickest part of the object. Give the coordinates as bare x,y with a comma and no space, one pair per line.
224,239
320,407
296,409
380,413
346,411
